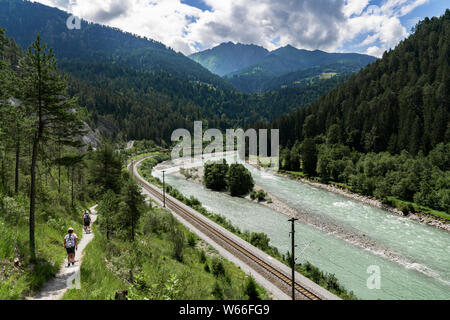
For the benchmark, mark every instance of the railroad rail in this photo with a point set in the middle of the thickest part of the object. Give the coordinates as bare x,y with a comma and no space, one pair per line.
185,213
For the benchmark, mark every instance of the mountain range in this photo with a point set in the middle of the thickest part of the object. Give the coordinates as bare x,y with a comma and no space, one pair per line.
144,90
24,19
252,68
138,87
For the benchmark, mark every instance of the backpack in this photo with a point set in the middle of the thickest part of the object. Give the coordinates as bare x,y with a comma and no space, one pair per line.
70,241
87,217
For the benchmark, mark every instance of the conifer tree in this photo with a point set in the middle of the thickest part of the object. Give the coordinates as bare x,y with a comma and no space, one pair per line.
47,104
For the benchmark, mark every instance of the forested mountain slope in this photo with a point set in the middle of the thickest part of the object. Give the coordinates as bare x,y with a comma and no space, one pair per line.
255,82
137,87
400,102
385,132
291,61
253,69
288,59
147,105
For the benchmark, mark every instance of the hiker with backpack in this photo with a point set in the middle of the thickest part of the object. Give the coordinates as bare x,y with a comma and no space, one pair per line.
86,222
71,245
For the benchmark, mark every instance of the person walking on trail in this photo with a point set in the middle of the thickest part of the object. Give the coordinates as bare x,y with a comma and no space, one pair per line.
86,222
71,245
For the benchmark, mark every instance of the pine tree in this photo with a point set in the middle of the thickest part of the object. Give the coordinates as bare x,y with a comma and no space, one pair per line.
309,156
71,162
132,206
106,168
107,209
4,108
44,95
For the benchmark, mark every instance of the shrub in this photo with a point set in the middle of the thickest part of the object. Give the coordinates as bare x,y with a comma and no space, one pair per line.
13,211
260,240
203,257
179,242
239,180
217,291
192,239
261,195
251,290
214,175
217,267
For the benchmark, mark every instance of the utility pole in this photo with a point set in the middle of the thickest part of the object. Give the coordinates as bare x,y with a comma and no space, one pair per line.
164,189
293,256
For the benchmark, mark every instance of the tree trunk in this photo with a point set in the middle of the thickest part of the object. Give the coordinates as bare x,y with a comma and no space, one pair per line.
132,229
59,170
73,169
16,182
3,170
33,197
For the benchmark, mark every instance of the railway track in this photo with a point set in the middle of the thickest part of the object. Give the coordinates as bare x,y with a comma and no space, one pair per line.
186,214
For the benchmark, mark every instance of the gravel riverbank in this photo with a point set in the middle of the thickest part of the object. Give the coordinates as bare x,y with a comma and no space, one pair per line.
422,218
345,233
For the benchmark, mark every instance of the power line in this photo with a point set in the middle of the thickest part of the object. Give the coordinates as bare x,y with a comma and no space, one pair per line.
293,255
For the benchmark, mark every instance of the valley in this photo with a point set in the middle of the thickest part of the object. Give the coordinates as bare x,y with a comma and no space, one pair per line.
104,115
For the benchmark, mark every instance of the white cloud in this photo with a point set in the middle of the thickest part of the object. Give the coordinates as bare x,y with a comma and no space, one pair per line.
311,24
380,26
375,51
355,7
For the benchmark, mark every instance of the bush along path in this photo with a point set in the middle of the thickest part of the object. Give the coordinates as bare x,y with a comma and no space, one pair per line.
67,277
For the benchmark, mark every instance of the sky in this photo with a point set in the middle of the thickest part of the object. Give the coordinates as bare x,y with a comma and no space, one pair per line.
188,26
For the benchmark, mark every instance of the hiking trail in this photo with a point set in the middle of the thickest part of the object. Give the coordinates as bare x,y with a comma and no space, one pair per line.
55,288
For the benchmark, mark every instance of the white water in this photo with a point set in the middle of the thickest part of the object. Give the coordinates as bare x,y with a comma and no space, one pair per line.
422,270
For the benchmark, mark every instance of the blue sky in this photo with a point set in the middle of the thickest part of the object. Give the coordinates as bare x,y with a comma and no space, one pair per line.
199,4
363,26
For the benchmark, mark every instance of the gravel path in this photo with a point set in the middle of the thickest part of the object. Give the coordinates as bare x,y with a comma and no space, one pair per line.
55,288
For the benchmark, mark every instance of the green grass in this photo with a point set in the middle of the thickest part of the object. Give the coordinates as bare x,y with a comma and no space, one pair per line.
327,75
295,173
25,279
139,156
148,269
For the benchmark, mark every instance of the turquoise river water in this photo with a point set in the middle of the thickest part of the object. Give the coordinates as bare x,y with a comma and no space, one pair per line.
421,269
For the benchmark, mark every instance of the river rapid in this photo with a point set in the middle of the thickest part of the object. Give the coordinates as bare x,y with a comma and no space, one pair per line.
337,234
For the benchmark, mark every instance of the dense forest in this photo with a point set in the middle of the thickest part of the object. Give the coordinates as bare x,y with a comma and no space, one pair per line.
314,75
150,105
398,105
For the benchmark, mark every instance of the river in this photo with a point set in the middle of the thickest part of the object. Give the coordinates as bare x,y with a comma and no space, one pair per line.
420,269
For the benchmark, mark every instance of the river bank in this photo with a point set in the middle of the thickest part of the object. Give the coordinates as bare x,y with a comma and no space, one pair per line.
372,236
196,174
348,234
419,217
